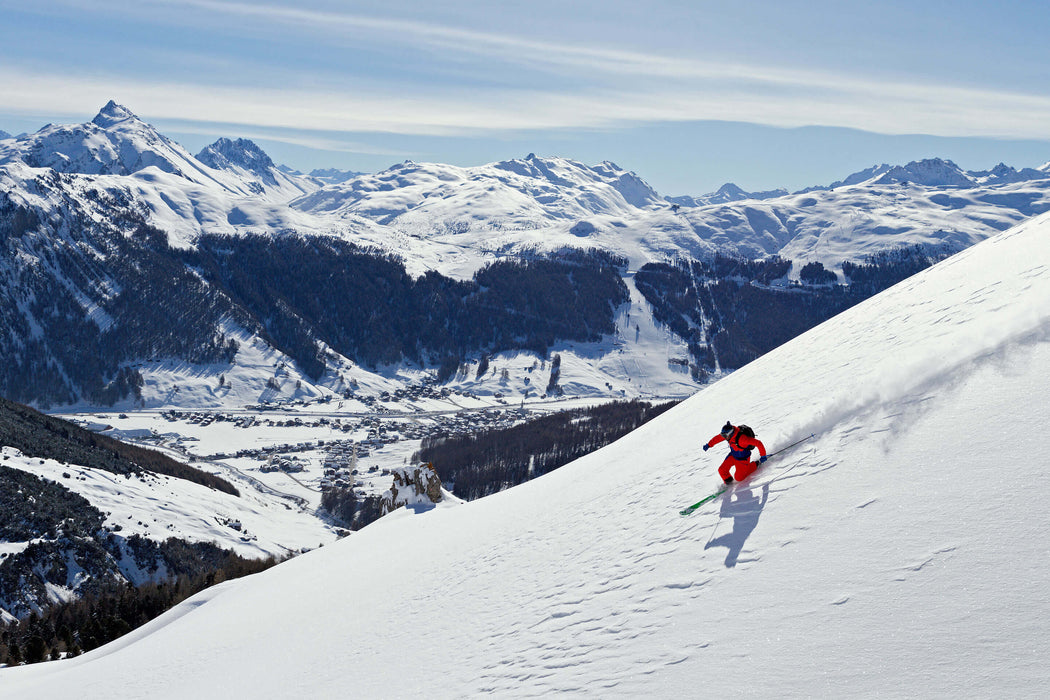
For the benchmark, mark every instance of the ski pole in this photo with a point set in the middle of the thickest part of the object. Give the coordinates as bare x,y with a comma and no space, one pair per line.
784,449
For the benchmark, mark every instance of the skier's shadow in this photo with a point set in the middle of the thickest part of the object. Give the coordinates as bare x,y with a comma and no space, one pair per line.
744,507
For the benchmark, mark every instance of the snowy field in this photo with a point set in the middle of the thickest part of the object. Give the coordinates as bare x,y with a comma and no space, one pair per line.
902,552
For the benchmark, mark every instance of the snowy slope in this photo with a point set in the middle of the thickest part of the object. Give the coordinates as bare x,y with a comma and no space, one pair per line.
931,202
455,218
850,222
260,522
899,553
508,194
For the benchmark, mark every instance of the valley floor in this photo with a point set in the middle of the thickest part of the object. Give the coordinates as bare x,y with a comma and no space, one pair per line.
280,459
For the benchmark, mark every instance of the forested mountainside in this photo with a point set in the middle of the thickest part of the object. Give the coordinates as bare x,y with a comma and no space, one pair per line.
114,608
56,544
729,313
81,307
363,304
84,295
490,461
36,434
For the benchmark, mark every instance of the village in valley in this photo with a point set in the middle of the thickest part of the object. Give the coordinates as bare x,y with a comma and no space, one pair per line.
296,449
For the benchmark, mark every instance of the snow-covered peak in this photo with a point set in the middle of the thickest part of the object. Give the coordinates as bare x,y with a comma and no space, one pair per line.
566,172
862,176
331,176
4,135
554,170
936,172
243,153
115,142
932,172
729,192
251,165
1004,174
113,114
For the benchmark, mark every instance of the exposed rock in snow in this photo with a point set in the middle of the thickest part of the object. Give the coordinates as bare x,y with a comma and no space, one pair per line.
242,153
413,486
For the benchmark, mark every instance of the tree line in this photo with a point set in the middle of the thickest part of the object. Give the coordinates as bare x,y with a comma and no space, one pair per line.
113,610
729,314
37,434
363,303
489,461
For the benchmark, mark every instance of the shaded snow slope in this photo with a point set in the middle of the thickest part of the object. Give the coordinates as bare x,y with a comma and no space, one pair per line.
900,553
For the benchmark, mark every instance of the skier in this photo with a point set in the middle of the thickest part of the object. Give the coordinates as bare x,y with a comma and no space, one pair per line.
741,441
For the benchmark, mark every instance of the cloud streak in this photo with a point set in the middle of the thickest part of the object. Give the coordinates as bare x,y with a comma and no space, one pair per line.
882,108
562,57
312,140
586,87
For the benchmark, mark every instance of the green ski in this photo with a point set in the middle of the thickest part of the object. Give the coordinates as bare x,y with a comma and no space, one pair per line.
699,503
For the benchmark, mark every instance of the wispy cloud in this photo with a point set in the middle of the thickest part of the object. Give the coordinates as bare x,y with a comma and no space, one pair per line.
526,51
893,108
612,63
609,87
291,137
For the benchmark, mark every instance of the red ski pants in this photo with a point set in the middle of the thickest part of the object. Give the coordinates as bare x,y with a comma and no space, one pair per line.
744,467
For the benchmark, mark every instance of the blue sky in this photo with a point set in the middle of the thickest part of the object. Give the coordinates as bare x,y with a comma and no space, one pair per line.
689,94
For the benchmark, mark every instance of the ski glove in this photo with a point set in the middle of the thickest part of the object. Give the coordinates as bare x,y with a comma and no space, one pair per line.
706,447
762,458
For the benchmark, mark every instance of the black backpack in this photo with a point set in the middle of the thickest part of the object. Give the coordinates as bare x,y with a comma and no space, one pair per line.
734,439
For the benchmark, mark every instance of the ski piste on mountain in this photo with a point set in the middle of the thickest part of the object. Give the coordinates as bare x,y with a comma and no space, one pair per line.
726,487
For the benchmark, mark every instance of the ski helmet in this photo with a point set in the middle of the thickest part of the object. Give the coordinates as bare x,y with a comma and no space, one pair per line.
727,429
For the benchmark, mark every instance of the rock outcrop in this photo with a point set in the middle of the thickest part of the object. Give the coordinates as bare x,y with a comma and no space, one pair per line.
419,485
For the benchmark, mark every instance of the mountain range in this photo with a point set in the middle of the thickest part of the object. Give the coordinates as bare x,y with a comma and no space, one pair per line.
135,274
